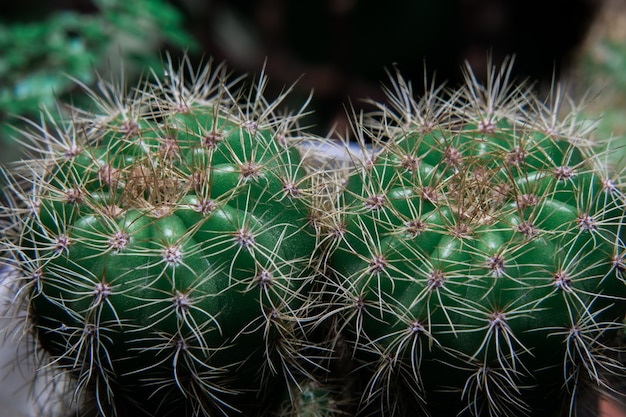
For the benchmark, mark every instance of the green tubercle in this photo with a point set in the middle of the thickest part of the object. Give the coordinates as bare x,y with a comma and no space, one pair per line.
166,249
480,253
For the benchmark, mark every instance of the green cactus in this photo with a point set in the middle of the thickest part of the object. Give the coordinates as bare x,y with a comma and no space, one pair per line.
313,399
163,245
174,252
478,254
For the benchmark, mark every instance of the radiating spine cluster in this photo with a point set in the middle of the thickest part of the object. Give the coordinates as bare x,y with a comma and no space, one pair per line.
185,249
478,254
163,247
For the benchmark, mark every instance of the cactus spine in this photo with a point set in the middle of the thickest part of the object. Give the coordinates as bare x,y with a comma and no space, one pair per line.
175,254
163,245
478,254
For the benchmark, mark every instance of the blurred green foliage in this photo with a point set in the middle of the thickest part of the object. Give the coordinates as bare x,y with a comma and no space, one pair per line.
607,64
42,50
608,60
602,66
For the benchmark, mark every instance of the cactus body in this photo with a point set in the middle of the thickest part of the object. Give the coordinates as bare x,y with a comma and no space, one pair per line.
311,399
173,256
164,247
479,251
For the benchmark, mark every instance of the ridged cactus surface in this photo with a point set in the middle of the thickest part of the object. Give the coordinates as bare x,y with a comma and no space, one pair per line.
478,252
185,249
164,245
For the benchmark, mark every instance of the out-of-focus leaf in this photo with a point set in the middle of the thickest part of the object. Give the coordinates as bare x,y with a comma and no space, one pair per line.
39,56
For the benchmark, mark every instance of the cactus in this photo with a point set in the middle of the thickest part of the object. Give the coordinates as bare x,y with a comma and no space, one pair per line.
162,245
174,252
477,250
314,399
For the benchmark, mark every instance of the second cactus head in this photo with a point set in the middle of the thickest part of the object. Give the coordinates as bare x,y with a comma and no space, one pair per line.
479,253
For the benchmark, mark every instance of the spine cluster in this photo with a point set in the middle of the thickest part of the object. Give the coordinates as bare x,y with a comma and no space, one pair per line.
186,249
478,255
164,248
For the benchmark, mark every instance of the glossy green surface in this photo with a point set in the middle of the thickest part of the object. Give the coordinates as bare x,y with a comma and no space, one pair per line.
165,251
482,248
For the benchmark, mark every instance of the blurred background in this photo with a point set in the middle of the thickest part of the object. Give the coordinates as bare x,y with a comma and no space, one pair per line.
340,49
